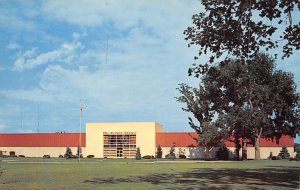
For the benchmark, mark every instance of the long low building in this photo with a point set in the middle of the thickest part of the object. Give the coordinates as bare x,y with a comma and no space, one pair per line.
121,140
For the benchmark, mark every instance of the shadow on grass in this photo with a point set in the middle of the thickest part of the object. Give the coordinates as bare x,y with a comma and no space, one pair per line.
216,178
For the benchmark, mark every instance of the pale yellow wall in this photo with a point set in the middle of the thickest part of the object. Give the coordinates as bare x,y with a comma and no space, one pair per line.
40,151
265,152
145,136
198,152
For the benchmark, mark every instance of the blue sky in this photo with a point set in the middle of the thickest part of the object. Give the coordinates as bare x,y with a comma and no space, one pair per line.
53,53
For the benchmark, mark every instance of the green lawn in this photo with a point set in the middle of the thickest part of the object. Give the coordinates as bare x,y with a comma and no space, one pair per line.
55,173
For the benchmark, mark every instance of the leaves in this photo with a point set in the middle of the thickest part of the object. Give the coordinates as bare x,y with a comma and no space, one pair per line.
249,98
242,29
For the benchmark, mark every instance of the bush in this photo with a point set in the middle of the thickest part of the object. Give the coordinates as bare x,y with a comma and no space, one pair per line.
68,153
297,157
22,156
284,153
182,156
222,153
4,156
60,156
276,158
90,156
148,157
12,154
159,152
138,154
46,156
170,156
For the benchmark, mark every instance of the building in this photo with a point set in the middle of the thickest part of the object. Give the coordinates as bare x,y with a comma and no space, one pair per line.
120,140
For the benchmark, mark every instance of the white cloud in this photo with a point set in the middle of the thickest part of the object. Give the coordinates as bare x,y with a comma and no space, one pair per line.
2,127
65,53
13,45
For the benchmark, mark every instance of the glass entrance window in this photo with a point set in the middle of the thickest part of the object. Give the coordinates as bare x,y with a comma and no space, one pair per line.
119,146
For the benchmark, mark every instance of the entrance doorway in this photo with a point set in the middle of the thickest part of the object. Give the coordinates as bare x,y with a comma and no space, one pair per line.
119,152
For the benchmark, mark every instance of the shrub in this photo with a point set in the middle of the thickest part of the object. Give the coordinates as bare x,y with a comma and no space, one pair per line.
170,156
138,154
297,157
60,156
68,153
46,156
90,156
284,153
12,154
276,158
182,156
159,152
222,153
270,156
22,156
148,157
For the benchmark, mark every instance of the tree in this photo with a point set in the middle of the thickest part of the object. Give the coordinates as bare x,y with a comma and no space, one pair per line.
79,151
159,152
284,153
250,100
242,29
68,153
138,155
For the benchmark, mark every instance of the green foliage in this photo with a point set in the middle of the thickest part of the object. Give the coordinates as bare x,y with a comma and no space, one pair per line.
68,153
22,156
46,156
250,99
242,29
148,157
138,154
297,157
182,156
172,150
284,153
79,152
159,152
90,156
60,156
170,156
276,158
222,153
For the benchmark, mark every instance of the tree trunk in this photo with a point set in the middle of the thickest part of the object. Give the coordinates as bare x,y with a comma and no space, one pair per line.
257,146
257,149
244,149
206,153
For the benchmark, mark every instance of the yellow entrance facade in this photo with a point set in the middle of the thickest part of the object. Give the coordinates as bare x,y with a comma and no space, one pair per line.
120,140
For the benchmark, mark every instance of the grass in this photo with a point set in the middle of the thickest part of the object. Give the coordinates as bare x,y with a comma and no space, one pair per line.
55,173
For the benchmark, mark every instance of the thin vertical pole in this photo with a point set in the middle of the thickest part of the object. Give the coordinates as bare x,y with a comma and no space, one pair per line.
79,151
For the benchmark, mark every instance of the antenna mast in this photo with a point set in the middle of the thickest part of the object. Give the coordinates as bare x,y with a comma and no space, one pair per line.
38,123
79,148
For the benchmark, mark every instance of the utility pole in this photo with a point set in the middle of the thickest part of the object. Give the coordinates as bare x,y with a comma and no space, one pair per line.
79,148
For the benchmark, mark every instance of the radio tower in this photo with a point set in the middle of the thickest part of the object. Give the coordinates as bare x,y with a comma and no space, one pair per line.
79,148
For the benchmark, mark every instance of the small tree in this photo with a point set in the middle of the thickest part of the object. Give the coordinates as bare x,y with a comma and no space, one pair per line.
284,153
222,153
138,154
68,153
172,150
297,157
159,152
79,151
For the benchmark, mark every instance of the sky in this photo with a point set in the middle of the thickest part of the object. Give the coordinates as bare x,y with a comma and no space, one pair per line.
122,59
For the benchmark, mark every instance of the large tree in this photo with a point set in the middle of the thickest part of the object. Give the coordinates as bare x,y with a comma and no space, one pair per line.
242,28
251,100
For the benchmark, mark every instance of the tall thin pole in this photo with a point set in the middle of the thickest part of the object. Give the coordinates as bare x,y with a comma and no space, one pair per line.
38,123
21,110
79,151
